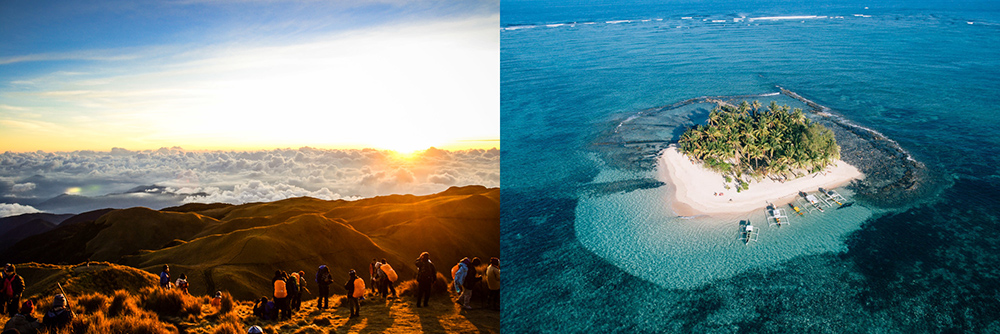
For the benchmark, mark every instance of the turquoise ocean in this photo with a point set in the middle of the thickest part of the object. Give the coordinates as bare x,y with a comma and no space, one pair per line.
591,91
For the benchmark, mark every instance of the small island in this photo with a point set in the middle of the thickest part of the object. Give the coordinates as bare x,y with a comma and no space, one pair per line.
746,156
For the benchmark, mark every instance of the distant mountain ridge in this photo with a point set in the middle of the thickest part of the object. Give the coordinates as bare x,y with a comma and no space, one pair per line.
238,247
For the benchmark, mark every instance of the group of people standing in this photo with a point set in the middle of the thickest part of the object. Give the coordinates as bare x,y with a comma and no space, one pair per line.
22,317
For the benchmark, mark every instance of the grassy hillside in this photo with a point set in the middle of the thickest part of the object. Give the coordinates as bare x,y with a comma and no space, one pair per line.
237,248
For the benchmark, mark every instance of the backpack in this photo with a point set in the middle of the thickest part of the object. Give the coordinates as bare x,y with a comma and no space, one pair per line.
270,311
279,289
8,288
323,275
425,271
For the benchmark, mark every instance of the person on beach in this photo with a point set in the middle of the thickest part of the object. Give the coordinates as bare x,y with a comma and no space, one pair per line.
493,283
323,280
352,302
165,277
59,316
281,294
426,275
13,286
23,321
182,284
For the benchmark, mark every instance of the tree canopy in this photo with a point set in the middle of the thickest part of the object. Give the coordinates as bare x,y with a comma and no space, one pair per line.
750,141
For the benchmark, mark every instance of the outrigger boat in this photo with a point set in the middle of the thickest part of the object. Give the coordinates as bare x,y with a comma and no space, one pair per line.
812,200
774,216
747,232
833,196
795,207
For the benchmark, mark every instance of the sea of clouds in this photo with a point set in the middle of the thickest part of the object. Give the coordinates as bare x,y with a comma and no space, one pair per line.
73,182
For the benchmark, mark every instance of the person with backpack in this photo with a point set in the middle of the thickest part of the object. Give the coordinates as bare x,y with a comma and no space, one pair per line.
292,283
281,294
165,277
297,302
59,316
493,283
216,301
465,278
13,286
388,279
323,280
23,321
426,275
182,284
353,294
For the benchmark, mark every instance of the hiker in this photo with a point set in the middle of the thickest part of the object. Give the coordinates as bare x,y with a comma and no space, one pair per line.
377,278
13,286
323,280
59,316
371,272
465,279
23,321
165,277
493,283
182,284
352,297
216,302
259,308
302,288
281,294
387,282
271,311
255,330
426,275
292,284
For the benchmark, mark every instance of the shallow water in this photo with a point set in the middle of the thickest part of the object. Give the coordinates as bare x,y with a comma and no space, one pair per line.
590,245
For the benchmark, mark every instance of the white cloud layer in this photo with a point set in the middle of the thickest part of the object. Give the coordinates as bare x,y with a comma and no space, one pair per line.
243,176
7,210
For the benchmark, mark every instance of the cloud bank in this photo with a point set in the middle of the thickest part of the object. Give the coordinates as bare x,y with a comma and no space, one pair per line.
236,177
15,209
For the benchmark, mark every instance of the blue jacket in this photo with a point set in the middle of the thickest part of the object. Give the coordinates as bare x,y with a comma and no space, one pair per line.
463,268
164,279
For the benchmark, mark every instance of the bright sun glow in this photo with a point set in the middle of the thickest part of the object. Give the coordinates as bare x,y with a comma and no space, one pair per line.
398,88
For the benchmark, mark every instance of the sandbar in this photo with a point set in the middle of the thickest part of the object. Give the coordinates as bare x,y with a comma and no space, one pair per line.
695,189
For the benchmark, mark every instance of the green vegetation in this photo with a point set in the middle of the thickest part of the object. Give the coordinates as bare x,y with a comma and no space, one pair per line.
749,142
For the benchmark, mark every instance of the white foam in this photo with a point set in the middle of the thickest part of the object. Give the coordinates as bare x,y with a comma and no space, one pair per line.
776,18
618,21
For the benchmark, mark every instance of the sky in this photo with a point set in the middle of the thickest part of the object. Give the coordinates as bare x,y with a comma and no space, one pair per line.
248,74
160,103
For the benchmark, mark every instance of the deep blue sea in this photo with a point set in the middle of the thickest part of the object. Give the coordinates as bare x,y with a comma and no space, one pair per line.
590,246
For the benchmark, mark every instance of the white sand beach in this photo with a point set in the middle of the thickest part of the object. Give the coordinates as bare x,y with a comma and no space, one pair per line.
696,188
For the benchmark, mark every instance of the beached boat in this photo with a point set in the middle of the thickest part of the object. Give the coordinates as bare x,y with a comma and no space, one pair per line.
795,206
833,196
813,200
747,232
775,216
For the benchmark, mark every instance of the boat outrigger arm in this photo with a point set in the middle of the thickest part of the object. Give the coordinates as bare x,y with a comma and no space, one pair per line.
775,217
748,233
834,196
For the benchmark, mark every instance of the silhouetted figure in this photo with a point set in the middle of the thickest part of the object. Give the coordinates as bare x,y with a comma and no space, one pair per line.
59,316
281,294
216,302
465,279
426,275
493,282
297,301
23,321
323,280
165,277
259,308
182,283
12,287
353,294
